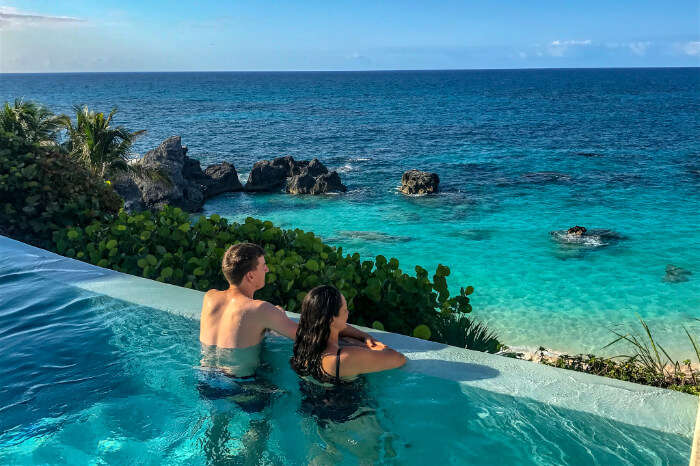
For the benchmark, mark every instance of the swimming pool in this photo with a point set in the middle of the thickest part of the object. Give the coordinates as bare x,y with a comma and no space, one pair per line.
99,367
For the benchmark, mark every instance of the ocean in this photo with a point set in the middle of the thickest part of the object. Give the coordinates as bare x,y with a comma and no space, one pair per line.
520,154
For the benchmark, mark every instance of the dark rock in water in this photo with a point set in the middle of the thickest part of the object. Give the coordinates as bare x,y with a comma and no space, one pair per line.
269,175
221,178
315,168
300,184
545,177
676,274
169,159
328,183
590,238
577,230
418,182
187,186
295,176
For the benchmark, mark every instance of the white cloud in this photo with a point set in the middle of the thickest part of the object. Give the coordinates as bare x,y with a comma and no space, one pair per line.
558,48
691,48
522,54
12,18
639,48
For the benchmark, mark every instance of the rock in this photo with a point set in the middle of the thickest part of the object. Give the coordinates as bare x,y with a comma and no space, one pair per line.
295,176
577,230
127,188
300,184
676,274
187,186
169,159
221,178
270,175
328,183
418,182
589,238
191,168
316,168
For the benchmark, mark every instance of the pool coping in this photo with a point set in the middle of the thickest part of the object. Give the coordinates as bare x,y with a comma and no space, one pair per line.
639,405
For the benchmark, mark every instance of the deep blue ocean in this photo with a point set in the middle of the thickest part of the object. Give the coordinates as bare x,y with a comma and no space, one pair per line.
520,153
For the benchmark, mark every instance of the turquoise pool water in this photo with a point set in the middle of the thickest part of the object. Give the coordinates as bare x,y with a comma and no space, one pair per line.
89,379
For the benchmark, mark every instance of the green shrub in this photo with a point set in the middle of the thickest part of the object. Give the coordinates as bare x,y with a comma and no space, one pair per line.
169,247
42,191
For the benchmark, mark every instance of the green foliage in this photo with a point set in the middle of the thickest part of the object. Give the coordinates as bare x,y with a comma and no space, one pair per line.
463,332
166,246
31,123
422,331
103,149
42,191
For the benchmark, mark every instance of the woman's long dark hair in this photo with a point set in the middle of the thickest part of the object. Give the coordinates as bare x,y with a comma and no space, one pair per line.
318,309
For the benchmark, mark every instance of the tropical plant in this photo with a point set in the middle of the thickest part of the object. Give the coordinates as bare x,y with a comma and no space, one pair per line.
464,332
103,149
42,191
648,363
31,122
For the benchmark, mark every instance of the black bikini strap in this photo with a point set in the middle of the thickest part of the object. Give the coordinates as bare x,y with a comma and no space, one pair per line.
337,366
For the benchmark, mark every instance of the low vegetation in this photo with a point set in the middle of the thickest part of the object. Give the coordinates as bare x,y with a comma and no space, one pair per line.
648,362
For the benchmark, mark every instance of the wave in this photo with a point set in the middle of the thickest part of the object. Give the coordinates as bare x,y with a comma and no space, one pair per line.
593,238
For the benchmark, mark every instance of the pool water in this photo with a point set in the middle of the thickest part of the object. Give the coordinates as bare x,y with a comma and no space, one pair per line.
89,379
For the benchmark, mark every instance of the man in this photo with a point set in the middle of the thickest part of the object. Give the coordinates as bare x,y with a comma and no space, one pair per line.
235,319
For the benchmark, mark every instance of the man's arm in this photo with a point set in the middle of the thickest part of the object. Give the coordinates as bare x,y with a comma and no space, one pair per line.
276,319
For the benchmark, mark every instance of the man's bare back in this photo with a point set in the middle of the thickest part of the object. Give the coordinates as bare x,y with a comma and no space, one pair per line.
232,320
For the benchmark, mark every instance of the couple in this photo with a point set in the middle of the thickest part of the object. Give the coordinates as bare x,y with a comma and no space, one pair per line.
326,348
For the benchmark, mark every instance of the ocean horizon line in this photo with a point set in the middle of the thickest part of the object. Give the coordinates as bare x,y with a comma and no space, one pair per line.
354,71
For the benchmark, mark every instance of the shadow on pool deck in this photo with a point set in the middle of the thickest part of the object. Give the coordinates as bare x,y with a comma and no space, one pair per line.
452,370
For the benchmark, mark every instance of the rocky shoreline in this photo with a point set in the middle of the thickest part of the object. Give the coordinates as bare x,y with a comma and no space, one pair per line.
178,180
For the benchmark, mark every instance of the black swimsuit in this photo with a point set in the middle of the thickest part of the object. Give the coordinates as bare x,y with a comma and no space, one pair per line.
341,402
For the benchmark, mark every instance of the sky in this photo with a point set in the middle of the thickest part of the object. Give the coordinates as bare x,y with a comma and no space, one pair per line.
225,35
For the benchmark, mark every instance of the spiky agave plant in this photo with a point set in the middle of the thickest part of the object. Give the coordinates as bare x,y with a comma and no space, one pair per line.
459,330
32,122
103,149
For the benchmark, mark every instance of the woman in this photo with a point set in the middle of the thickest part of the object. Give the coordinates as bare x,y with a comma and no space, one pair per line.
317,351
331,393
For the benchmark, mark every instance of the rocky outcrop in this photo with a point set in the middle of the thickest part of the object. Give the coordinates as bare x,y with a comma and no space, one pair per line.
418,182
165,175
296,177
221,178
577,230
328,183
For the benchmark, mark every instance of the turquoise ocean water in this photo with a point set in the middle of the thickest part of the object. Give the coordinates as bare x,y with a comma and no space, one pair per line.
519,154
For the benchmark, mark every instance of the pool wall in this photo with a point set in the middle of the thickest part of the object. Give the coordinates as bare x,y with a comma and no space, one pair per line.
643,406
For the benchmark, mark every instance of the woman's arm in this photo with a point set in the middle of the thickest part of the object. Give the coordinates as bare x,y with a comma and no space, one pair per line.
356,360
351,332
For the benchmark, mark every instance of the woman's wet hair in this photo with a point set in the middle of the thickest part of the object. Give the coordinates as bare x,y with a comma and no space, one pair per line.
320,306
